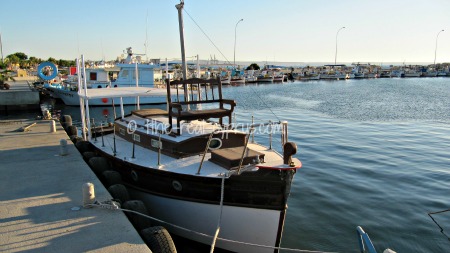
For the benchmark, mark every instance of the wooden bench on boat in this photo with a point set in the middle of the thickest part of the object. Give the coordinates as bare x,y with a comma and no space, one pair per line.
199,91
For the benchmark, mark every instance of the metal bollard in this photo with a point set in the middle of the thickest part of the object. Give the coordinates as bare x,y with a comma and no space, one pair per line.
52,126
63,147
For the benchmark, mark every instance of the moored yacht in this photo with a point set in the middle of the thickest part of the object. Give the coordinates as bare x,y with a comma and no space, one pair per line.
100,79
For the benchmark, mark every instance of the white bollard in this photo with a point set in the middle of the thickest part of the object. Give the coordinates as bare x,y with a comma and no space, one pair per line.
88,195
52,126
63,147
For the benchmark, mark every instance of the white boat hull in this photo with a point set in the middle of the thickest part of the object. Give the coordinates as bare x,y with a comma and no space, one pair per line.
413,74
71,98
238,80
250,225
251,79
265,79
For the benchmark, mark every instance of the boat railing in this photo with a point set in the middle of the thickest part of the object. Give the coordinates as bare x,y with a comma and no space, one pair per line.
365,244
269,128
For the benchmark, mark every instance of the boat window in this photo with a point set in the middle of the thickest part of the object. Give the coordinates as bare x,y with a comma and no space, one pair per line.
124,74
145,75
93,76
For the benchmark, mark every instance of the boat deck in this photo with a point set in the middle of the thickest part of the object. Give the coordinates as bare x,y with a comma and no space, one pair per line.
187,165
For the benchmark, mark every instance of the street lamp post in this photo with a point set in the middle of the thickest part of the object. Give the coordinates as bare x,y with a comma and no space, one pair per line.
335,55
234,56
435,49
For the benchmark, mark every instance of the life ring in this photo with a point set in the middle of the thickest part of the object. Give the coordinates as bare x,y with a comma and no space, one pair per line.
44,65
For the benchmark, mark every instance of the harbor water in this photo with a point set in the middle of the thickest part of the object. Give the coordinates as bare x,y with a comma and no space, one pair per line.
375,154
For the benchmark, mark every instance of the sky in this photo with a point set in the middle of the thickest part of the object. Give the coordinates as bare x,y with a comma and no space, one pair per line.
304,31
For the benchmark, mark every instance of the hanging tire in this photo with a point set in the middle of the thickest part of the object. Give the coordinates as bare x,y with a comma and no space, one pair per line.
88,155
65,121
83,146
140,222
111,177
72,130
75,139
119,192
99,165
158,240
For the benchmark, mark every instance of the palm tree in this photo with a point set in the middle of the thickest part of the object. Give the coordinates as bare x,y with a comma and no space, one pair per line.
5,75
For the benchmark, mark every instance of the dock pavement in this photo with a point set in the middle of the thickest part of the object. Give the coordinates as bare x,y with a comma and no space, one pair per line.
41,197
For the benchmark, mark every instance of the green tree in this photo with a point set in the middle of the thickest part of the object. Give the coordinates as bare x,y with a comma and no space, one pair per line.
34,61
52,60
21,56
13,59
65,63
253,66
5,75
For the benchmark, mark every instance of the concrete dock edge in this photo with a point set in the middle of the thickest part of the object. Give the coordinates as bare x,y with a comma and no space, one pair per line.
40,192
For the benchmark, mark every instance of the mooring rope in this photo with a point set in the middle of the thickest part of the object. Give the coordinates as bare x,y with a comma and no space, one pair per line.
112,205
438,212
222,190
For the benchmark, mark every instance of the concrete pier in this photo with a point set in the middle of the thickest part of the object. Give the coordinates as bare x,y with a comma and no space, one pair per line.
41,197
19,97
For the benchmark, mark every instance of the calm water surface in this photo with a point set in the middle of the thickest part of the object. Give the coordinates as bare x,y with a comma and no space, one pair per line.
375,154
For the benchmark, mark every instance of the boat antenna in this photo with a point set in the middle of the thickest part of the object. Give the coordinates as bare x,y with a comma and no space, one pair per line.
1,45
146,37
101,45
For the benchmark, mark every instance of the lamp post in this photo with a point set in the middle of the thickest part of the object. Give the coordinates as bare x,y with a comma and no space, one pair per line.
234,56
335,55
435,49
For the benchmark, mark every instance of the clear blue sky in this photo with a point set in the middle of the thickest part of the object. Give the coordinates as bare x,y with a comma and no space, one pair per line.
282,30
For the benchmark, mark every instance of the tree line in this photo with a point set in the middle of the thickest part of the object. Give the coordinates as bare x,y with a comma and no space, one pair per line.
26,62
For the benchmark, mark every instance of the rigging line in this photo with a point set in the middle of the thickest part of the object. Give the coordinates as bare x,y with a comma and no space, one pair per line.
112,205
262,100
442,229
206,36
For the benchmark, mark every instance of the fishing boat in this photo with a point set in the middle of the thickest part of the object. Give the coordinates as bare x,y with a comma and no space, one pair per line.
250,77
99,78
279,77
197,171
193,172
265,76
225,78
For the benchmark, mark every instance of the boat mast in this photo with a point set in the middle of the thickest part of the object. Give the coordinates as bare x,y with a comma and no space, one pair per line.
183,55
1,46
146,37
